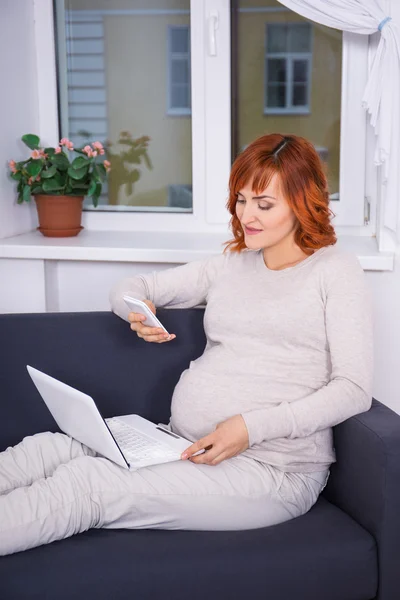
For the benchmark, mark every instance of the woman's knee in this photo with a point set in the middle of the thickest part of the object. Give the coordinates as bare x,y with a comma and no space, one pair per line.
46,438
98,486
65,447
94,474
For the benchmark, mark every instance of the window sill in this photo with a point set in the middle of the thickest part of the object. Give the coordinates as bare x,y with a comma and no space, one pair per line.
286,111
179,112
160,247
115,246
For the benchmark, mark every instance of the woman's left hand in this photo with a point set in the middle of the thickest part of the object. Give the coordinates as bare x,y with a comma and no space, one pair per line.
230,438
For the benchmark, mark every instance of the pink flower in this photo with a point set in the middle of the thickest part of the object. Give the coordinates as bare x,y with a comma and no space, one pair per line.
43,154
107,165
58,150
30,180
88,150
12,166
94,153
66,142
36,154
98,146
38,178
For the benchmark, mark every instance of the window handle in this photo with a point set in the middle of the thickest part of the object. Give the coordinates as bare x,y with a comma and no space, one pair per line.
213,24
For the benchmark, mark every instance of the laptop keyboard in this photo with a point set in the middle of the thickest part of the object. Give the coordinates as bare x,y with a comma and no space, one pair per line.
137,447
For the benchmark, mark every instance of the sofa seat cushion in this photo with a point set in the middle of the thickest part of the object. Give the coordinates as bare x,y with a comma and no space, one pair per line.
322,555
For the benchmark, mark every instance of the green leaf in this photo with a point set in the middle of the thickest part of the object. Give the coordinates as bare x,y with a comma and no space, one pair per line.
31,140
96,194
52,185
79,162
77,173
100,171
60,161
61,177
95,174
92,188
49,172
34,168
103,172
26,194
49,151
79,185
16,176
37,189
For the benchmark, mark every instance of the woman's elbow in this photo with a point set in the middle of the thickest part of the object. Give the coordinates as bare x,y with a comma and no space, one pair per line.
364,400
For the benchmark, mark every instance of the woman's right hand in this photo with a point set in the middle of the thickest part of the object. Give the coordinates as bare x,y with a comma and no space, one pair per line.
148,334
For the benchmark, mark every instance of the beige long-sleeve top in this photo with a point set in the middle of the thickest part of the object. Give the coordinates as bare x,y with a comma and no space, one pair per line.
290,350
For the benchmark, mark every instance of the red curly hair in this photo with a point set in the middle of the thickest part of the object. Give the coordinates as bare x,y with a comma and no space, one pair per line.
303,184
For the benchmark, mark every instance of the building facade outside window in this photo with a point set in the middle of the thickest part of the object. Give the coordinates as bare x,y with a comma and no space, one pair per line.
288,68
179,95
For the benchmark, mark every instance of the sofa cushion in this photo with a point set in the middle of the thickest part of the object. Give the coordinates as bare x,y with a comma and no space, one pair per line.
324,555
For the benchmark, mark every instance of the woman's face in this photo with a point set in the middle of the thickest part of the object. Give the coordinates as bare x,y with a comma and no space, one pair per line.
266,218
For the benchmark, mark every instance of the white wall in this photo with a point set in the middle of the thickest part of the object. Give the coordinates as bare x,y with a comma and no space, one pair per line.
85,286
18,107
385,288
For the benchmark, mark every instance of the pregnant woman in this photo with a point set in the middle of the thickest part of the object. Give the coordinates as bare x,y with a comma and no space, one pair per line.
288,356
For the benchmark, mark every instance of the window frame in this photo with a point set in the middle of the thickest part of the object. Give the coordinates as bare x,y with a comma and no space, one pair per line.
289,57
171,56
350,208
211,128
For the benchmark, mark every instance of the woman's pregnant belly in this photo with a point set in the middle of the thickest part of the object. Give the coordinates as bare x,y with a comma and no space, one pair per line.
211,391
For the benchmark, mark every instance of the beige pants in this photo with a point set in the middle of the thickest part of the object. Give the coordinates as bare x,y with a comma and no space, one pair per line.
52,487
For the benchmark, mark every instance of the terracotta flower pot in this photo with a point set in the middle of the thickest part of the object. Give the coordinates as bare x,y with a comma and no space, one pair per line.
59,216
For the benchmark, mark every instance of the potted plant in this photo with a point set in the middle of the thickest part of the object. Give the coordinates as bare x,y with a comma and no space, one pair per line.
58,181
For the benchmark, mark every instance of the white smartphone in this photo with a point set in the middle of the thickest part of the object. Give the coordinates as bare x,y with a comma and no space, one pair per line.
141,307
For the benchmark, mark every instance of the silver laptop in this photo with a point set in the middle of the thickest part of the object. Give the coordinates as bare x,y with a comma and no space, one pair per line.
130,441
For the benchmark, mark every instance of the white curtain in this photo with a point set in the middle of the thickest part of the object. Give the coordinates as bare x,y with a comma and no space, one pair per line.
382,94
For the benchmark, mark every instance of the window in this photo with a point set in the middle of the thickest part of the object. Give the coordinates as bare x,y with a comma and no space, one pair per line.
123,74
288,63
233,70
179,71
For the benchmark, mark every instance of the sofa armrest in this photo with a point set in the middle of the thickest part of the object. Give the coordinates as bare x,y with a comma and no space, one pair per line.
365,483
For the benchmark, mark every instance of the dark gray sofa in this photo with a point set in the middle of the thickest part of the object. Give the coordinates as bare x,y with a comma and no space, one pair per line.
346,548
